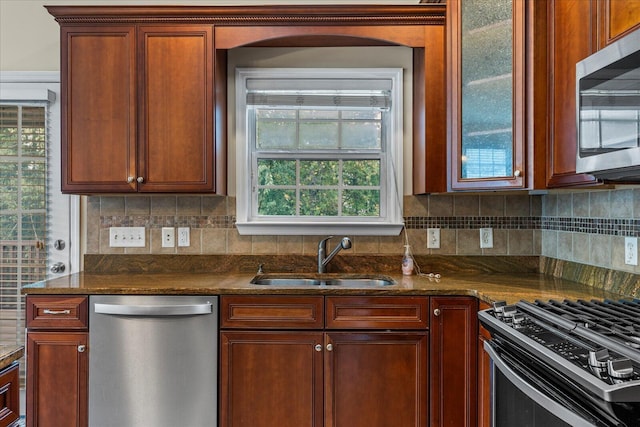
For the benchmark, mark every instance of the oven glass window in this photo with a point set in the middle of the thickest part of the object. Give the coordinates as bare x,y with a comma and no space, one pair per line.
514,408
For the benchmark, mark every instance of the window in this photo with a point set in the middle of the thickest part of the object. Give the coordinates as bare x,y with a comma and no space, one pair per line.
319,151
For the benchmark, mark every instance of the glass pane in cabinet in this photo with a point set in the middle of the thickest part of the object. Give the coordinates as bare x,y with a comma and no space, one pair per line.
487,88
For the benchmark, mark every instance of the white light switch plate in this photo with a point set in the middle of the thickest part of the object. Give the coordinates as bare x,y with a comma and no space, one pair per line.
127,237
433,238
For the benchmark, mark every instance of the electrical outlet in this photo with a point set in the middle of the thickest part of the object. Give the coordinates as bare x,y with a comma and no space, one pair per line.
127,237
184,238
631,250
433,238
486,238
168,237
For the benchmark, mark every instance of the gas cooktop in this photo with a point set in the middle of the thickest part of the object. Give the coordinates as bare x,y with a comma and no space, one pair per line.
594,344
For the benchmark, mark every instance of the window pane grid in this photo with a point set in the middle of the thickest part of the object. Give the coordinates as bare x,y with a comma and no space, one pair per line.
324,198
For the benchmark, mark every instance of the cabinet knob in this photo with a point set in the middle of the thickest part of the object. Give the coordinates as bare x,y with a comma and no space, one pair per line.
130,179
329,347
140,179
82,348
517,173
436,312
318,347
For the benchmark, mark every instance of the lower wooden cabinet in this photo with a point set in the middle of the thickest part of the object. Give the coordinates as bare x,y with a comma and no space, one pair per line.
57,360
484,376
9,396
271,379
376,379
367,376
453,361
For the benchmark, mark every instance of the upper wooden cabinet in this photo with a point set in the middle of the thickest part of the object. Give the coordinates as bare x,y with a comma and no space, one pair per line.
138,109
175,149
144,87
615,19
98,71
571,37
491,78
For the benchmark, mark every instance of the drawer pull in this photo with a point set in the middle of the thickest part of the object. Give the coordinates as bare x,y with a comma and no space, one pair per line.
436,312
55,312
318,347
81,348
329,347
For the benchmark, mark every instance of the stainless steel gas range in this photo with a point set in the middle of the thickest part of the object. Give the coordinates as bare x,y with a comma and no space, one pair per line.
564,363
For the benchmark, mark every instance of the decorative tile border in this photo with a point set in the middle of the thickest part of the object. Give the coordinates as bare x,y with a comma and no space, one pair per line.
613,227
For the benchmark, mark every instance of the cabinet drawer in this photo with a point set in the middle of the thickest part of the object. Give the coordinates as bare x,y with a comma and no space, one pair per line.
45,312
271,312
9,395
377,312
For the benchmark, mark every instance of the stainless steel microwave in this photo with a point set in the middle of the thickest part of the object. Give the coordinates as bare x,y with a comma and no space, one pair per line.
608,111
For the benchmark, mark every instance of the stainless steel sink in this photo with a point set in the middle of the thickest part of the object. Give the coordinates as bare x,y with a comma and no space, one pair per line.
286,279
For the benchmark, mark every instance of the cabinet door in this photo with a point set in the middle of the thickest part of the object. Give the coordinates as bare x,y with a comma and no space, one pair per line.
271,379
376,379
616,18
484,376
487,109
57,362
9,395
454,332
176,147
570,40
98,108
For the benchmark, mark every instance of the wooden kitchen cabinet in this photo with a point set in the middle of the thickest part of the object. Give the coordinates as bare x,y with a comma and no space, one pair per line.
484,375
571,37
57,361
271,378
486,58
453,361
99,114
10,395
138,109
615,19
326,375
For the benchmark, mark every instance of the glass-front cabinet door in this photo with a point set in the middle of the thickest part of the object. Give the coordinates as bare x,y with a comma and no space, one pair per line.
487,137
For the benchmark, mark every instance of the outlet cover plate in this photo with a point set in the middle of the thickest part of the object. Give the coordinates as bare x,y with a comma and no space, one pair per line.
168,237
184,238
486,238
631,250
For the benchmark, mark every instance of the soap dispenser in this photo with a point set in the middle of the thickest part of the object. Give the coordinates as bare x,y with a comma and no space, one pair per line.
407,261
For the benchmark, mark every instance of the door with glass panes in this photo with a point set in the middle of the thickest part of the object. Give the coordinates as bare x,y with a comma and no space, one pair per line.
38,225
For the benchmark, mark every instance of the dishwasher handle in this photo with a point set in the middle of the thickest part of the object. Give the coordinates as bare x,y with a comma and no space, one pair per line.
154,310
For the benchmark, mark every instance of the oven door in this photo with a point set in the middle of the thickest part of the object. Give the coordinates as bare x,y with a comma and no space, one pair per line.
526,393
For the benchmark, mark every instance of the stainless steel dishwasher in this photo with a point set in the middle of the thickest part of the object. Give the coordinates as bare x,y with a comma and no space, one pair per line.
153,361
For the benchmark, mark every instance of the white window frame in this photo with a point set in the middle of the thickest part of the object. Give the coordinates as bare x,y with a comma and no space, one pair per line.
390,221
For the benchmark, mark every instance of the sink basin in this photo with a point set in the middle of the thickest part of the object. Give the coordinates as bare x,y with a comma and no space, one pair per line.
322,280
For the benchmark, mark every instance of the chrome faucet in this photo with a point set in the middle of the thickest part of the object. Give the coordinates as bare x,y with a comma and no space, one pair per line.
345,243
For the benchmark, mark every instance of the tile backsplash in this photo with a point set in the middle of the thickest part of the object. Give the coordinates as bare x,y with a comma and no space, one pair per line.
515,220
586,226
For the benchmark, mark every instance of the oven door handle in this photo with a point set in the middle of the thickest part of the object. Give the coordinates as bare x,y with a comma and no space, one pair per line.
533,393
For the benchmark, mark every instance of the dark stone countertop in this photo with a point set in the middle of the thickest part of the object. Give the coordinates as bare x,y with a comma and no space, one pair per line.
9,354
488,287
